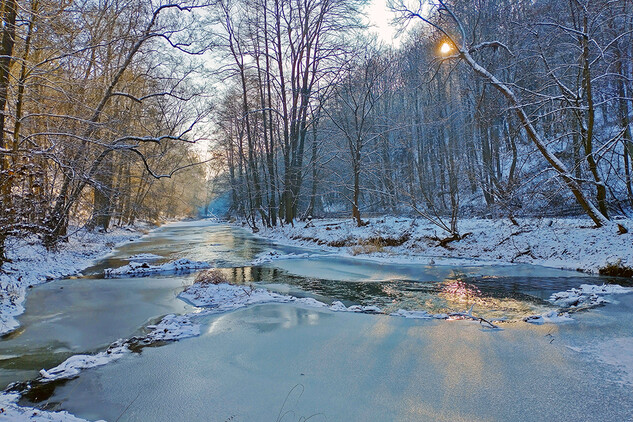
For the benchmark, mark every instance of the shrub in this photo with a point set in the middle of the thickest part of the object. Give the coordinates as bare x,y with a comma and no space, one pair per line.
616,269
212,276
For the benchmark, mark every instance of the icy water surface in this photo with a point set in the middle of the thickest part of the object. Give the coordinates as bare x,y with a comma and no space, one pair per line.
349,367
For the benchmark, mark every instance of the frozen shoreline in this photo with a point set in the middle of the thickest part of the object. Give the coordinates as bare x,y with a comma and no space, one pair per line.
31,264
570,244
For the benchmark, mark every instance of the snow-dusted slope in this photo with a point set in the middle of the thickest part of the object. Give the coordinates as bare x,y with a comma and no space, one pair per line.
561,243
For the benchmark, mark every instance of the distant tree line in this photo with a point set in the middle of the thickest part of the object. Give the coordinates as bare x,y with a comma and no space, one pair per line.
494,107
527,111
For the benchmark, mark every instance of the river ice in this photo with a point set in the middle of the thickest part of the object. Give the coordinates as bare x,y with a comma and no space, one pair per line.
248,347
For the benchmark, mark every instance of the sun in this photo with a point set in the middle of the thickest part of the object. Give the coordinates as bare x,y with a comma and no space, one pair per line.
445,48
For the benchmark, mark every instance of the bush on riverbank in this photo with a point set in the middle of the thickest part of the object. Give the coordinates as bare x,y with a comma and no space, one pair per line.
212,276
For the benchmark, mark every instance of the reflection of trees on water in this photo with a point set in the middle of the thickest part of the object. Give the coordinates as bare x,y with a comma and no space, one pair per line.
494,297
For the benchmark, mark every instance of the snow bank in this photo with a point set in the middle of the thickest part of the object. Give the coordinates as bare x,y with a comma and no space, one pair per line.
587,296
10,411
143,269
31,264
572,244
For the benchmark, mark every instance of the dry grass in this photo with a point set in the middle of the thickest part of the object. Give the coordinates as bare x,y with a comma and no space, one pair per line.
212,276
616,269
367,246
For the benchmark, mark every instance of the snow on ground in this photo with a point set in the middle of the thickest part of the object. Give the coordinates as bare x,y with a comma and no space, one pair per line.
10,411
560,243
143,269
31,264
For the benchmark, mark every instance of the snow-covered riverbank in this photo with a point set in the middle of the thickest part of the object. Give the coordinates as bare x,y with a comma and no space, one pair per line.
31,264
572,244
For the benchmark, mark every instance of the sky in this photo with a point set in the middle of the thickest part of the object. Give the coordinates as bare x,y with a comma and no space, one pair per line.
380,17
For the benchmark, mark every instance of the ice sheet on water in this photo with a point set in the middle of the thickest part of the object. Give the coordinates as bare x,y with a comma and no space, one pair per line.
616,352
170,328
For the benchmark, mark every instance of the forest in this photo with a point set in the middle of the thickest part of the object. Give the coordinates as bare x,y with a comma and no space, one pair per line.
121,110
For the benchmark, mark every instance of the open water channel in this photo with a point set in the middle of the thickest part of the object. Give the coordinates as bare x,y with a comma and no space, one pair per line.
285,362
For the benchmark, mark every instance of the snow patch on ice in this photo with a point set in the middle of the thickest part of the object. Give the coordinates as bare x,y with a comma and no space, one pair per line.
587,296
170,328
551,317
144,257
226,297
174,327
271,256
12,412
418,314
143,269
274,256
72,366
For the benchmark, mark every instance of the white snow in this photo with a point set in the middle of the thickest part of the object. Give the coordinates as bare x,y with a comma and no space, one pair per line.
587,296
31,264
72,366
551,317
10,411
274,255
418,314
226,297
572,244
143,269
174,327
170,328
145,257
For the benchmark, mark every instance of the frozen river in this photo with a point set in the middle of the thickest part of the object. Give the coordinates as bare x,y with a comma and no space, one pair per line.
283,362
